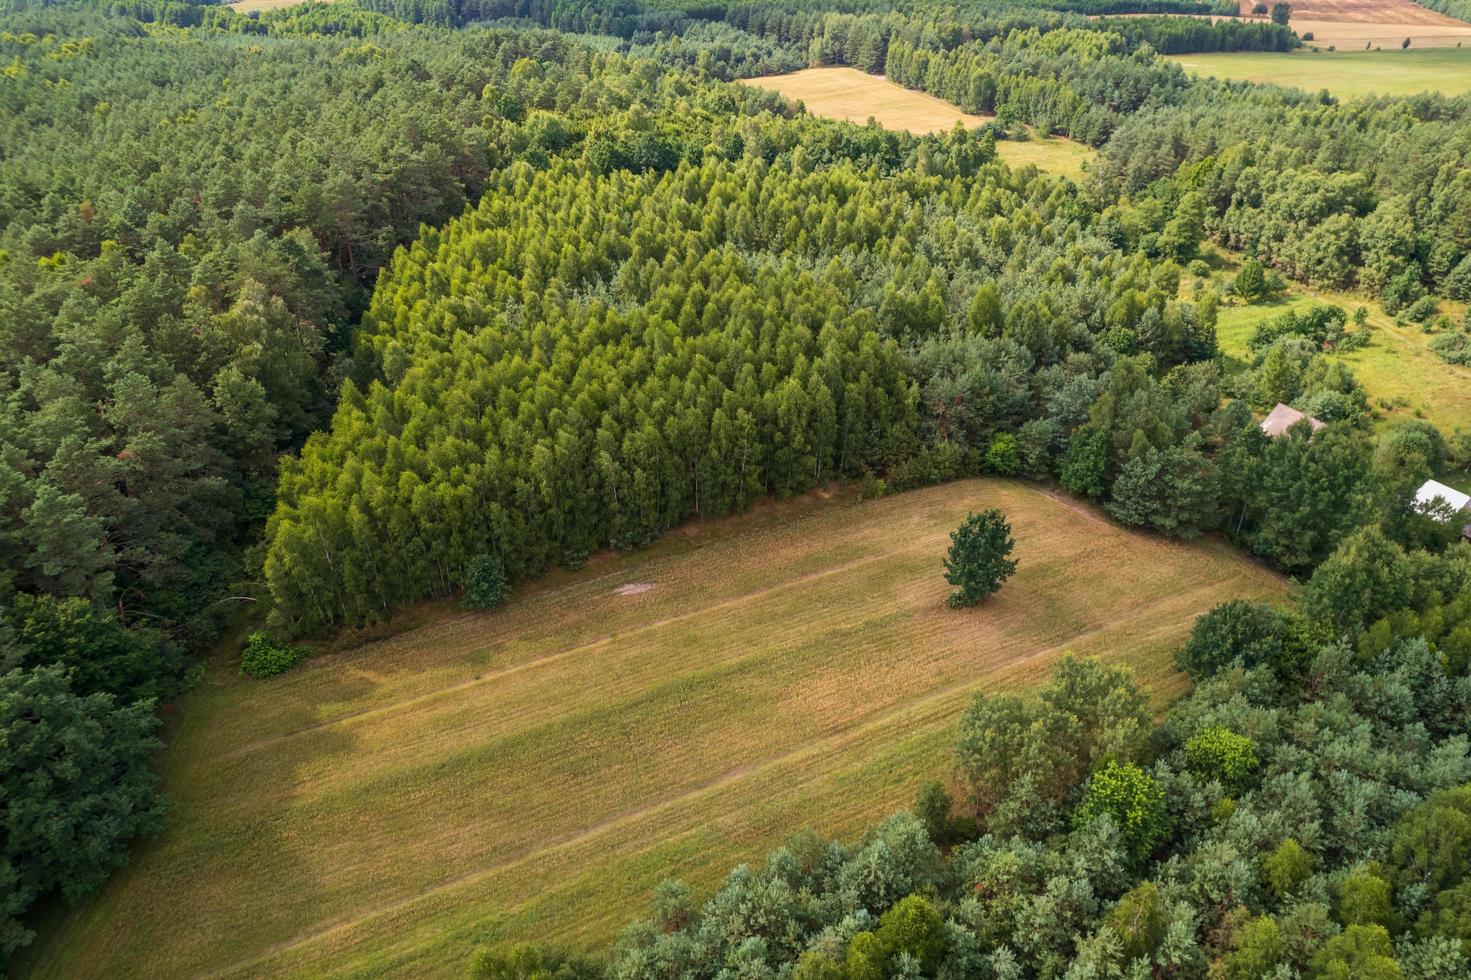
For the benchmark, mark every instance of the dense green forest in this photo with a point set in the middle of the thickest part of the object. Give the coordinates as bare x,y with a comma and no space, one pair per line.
306,314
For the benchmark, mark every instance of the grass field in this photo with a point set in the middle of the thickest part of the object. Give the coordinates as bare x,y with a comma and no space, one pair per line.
855,96
534,772
1348,74
1398,364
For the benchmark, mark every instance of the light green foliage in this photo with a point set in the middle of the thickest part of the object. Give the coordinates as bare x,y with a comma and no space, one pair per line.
1133,799
1358,953
1259,948
1003,455
913,927
1219,753
264,657
979,558
1287,867
1366,899
523,961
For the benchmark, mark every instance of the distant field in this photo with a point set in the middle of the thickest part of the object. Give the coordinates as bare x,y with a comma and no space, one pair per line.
855,96
1351,24
1397,365
246,6
532,773
1346,73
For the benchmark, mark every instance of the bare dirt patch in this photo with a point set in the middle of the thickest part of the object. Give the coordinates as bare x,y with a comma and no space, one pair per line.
633,588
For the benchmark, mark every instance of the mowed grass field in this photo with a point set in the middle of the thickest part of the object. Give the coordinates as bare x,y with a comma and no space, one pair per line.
1348,74
533,772
1397,365
856,96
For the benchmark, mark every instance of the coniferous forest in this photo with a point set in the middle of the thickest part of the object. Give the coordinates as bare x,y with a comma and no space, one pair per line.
310,314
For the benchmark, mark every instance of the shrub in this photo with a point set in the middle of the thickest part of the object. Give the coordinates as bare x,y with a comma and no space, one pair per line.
1453,348
486,583
265,658
1003,455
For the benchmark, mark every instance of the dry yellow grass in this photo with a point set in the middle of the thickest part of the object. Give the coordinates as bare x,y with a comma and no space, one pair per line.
532,773
854,96
248,6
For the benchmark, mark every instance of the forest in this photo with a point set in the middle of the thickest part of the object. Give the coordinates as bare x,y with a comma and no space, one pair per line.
307,315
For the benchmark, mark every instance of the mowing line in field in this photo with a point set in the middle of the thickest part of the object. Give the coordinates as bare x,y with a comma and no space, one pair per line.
603,641
815,746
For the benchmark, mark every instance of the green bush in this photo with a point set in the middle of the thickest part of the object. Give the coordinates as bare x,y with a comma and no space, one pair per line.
486,582
1003,455
265,658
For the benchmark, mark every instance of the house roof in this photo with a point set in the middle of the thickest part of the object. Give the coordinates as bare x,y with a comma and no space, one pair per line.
1284,417
1430,491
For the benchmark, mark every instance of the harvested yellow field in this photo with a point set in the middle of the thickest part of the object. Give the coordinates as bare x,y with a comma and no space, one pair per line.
533,772
855,96
249,6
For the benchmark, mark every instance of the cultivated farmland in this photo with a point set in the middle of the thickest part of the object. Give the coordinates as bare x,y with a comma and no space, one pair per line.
534,772
1346,73
855,96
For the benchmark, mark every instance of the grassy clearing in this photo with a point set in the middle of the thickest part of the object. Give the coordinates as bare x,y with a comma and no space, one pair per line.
534,772
856,96
1397,366
1346,73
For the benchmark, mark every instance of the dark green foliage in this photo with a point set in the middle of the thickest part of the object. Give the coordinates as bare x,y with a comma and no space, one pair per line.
1085,463
77,786
1249,634
1172,490
978,561
932,808
99,653
1366,576
1281,12
1139,921
264,657
486,583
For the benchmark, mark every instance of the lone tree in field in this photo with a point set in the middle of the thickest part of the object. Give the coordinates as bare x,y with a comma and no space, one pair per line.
978,561
1281,13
